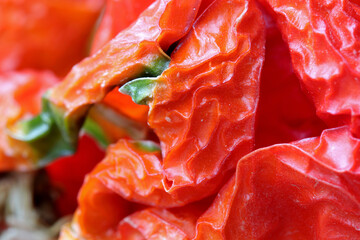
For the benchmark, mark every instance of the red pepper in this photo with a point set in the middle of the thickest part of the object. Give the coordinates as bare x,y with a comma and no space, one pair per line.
285,113
125,220
203,110
324,44
119,14
304,190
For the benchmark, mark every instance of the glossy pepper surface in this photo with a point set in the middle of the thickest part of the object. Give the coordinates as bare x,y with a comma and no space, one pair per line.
129,55
324,42
118,15
285,113
227,153
303,190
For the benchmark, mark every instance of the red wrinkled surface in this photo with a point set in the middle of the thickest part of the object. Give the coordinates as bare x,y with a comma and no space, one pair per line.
125,56
324,42
118,15
141,176
204,109
284,114
288,192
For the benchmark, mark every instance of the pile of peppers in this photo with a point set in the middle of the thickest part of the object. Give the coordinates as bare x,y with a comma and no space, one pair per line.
182,119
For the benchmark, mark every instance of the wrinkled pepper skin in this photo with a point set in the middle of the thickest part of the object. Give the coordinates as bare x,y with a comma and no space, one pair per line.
303,190
150,224
222,76
45,35
20,97
129,55
155,223
203,110
119,15
196,173
324,42
126,220
285,113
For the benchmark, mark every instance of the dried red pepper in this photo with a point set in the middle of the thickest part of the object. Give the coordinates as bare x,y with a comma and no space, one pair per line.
303,190
131,118
190,163
190,87
285,113
126,220
202,108
324,42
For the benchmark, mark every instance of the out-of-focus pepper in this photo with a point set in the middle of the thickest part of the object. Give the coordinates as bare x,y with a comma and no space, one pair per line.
44,34
150,224
324,42
20,95
304,190
284,114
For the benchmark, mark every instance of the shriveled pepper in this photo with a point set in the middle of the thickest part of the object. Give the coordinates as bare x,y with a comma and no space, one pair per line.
324,42
128,120
285,113
134,170
214,88
203,106
126,220
304,190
